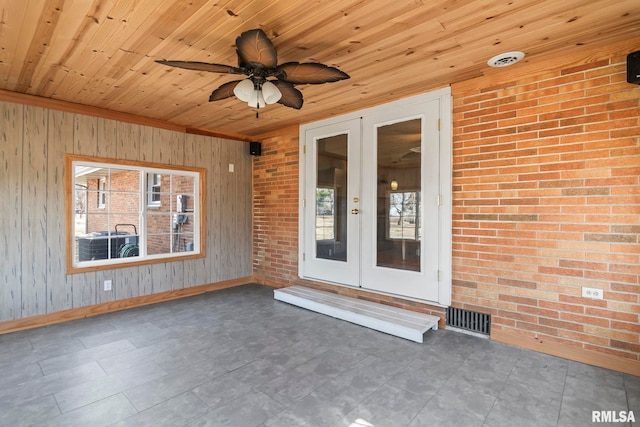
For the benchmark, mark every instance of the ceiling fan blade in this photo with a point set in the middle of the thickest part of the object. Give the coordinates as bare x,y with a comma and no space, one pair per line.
224,91
309,73
291,97
255,49
202,66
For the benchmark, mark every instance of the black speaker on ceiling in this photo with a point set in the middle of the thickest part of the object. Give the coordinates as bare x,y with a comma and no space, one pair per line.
255,148
633,67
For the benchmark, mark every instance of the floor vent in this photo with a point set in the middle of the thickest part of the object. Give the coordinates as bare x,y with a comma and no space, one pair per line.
469,320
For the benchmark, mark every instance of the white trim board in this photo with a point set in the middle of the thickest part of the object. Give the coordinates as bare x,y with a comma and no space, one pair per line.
391,320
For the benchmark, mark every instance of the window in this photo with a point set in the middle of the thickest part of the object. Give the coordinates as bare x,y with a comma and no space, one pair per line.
154,186
404,215
325,213
145,213
102,193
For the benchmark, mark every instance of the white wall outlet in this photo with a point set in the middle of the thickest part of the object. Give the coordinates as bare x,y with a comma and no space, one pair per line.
107,285
593,293
231,167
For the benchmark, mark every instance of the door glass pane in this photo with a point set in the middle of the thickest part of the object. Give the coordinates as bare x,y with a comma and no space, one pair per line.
331,198
398,230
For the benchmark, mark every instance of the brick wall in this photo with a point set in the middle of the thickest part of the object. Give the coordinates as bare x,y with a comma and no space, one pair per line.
119,203
275,211
546,201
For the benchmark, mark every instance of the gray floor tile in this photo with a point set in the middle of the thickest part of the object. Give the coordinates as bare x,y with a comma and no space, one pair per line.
157,391
456,403
130,331
424,377
251,409
8,361
232,385
318,408
93,391
71,360
527,412
363,379
177,411
237,357
101,413
140,356
301,381
13,344
390,406
49,384
582,396
29,413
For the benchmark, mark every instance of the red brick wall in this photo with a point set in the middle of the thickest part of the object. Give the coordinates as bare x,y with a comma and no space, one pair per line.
275,211
547,200
97,219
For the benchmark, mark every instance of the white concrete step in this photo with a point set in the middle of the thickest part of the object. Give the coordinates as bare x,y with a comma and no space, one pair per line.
391,320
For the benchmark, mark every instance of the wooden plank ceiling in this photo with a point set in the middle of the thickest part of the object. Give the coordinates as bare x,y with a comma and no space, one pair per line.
101,53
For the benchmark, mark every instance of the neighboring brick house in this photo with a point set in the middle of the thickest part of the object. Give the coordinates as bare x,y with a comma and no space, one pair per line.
113,205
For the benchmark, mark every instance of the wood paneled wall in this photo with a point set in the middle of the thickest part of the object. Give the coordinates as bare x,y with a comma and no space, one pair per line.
33,143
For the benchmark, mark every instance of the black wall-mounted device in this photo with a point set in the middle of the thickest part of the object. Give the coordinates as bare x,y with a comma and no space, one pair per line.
633,67
255,148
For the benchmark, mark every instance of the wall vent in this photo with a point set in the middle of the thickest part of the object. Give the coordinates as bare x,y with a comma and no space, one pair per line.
469,320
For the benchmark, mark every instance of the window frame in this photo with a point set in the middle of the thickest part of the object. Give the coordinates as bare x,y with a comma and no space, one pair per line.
198,250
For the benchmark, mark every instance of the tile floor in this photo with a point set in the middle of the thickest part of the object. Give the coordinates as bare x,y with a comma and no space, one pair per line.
239,358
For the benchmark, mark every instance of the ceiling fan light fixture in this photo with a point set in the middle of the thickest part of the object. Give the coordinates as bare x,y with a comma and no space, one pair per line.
244,90
270,93
256,100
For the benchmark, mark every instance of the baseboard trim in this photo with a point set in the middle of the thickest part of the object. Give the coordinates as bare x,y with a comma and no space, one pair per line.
108,307
608,361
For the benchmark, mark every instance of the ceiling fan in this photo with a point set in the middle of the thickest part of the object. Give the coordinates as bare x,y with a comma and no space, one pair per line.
258,59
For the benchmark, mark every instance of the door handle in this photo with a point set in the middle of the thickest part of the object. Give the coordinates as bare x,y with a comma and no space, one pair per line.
355,211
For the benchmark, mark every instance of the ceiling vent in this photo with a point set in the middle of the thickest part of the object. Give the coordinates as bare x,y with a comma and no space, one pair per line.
505,59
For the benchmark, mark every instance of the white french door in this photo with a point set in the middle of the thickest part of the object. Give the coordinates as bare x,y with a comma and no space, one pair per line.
331,205
400,196
372,211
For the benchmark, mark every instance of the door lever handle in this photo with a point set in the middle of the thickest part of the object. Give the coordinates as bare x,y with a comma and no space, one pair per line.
355,211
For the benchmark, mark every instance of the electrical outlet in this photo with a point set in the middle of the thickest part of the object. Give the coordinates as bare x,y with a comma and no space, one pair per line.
593,293
107,285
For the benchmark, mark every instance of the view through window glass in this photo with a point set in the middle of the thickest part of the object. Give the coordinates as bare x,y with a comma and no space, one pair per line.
124,213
